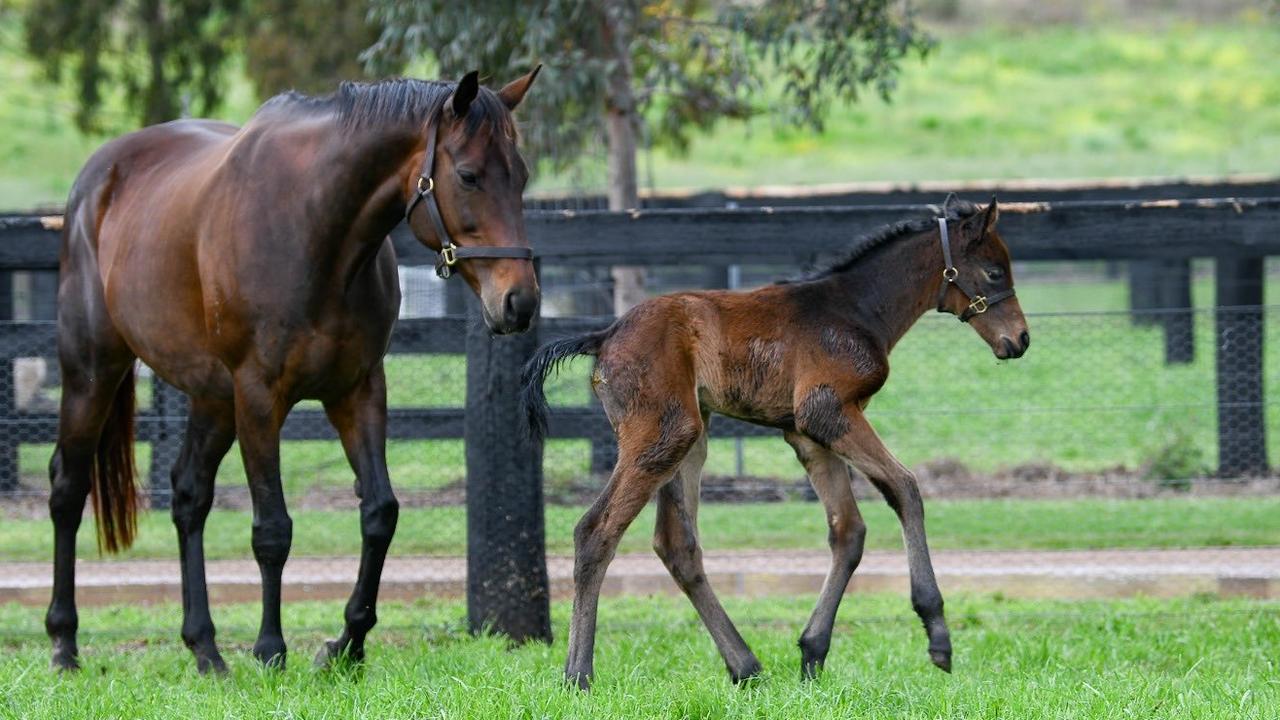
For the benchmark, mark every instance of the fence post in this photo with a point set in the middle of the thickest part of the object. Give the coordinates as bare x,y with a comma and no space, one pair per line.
8,393
507,588
1144,290
1179,323
1242,433
166,407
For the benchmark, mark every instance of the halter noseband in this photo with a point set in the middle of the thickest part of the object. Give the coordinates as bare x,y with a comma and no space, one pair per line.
450,253
978,303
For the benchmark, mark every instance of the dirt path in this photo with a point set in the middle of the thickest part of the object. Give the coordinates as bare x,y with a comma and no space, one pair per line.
1253,572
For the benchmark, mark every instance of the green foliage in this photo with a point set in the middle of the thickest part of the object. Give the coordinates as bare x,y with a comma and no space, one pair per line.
690,63
307,45
159,52
1177,462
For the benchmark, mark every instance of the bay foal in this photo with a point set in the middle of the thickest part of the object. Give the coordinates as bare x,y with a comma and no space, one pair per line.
804,356
250,268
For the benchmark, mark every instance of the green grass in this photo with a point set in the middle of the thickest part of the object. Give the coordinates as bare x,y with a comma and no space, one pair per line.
952,524
1119,99
1195,658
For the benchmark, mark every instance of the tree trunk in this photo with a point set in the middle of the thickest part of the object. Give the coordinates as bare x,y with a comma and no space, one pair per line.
620,126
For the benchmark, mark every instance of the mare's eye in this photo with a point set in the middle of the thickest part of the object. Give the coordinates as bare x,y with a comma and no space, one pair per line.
995,274
468,178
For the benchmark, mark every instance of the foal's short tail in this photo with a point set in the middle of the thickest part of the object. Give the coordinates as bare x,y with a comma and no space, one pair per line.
543,362
115,499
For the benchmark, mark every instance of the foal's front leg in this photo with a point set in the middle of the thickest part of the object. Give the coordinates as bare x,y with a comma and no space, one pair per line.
846,431
847,533
260,411
361,421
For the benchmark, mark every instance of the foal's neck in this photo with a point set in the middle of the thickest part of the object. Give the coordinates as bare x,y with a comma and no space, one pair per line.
889,290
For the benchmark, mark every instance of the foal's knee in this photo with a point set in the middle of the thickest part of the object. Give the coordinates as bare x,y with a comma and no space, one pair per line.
378,519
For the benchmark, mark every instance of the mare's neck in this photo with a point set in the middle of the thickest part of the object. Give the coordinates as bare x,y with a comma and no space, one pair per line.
887,291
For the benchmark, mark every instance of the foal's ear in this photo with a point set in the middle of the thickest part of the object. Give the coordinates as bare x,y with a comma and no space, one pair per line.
513,92
468,88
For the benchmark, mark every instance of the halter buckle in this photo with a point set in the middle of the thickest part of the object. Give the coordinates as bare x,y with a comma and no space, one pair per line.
979,305
447,256
429,183
950,274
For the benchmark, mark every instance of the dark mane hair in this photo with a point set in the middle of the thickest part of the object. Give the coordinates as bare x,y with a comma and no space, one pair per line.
880,237
397,101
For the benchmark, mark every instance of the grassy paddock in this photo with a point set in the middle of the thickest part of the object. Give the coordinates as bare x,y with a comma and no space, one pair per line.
953,524
1018,659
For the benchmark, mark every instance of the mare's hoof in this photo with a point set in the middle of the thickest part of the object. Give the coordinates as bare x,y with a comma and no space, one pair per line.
810,669
334,654
64,661
941,658
747,676
270,653
578,680
211,663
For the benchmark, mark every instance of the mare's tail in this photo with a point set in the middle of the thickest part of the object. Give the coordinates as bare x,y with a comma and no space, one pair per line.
115,499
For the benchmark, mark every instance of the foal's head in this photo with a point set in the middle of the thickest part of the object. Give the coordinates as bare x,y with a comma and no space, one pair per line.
477,180
982,263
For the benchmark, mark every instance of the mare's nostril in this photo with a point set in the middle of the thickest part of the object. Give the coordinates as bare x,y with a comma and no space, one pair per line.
1025,339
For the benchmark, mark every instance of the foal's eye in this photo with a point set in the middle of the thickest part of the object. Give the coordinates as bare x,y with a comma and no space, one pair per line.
468,178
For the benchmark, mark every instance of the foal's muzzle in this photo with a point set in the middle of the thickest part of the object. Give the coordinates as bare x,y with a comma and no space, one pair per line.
1011,348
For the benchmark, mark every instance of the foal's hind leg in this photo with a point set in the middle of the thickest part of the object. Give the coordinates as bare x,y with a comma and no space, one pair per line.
89,388
361,421
676,541
651,444
860,445
830,478
210,432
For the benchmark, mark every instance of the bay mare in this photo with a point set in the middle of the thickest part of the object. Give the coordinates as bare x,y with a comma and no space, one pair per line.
804,356
250,268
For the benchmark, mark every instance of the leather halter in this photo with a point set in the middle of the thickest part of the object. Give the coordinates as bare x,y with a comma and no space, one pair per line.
978,303
450,253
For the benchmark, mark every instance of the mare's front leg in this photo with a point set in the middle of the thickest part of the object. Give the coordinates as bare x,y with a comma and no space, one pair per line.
260,412
361,421
844,428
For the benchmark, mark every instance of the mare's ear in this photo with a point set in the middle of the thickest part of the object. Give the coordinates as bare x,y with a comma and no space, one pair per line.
468,88
951,200
513,92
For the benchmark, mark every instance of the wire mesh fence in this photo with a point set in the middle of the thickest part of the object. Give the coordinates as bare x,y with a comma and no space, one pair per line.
1041,453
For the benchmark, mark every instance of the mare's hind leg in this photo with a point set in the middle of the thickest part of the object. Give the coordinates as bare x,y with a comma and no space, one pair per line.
652,441
260,411
846,534
210,432
858,444
87,397
361,421
675,539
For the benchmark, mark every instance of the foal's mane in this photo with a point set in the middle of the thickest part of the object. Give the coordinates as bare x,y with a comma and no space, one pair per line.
881,237
395,102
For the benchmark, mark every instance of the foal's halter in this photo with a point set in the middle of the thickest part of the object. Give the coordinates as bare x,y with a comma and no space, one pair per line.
450,253
978,303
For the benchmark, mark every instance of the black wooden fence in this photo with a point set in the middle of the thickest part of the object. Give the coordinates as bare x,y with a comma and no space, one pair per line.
504,486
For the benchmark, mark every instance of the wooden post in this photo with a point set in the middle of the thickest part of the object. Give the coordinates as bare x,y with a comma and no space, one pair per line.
1179,320
1242,430
507,588
1144,290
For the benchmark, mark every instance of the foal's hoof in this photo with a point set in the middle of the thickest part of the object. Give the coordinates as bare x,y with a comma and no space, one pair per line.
335,654
941,658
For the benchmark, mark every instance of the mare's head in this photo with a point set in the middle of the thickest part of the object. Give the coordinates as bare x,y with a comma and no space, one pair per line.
981,261
477,179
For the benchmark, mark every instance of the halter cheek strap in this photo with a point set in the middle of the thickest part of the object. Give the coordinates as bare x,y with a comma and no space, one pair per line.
978,303
450,253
